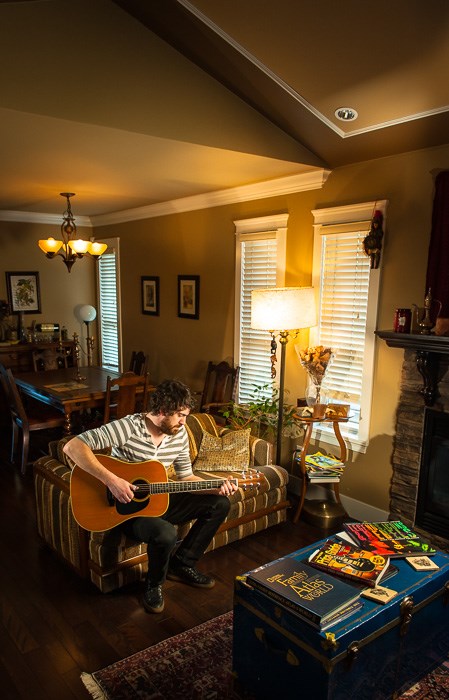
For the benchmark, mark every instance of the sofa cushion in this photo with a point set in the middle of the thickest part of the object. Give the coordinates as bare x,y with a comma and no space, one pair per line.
196,424
231,451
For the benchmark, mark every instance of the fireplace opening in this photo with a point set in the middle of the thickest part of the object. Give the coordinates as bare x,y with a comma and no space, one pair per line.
432,512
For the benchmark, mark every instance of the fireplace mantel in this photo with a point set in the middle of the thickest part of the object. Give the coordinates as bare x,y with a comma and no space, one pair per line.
416,341
427,348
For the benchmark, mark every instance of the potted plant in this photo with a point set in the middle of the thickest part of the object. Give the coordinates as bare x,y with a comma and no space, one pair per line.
261,414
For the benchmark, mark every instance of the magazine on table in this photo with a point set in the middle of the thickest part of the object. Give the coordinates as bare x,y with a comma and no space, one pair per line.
350,562
378,538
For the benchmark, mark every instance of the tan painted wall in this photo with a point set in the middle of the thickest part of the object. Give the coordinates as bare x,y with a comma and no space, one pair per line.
198,243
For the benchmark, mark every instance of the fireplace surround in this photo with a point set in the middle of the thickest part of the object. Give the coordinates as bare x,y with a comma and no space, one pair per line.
421,419
432,512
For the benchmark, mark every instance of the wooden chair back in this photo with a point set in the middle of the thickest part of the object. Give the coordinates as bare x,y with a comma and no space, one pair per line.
12,395
139,362
220,387
50,358
24,421
130,396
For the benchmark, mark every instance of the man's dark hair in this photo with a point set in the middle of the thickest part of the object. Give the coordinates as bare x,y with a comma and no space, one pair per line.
170,396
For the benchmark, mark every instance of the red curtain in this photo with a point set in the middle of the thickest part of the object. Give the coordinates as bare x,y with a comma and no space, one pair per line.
438,261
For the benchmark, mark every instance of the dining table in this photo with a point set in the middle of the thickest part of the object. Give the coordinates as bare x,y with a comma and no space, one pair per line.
69,390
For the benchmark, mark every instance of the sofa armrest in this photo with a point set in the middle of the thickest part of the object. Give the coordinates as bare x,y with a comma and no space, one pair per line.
261,451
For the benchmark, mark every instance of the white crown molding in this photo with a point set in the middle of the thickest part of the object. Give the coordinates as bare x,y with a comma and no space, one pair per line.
33,217
271,188
396,122
290,184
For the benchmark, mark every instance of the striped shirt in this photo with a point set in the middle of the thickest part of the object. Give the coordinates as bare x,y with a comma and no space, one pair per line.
130,441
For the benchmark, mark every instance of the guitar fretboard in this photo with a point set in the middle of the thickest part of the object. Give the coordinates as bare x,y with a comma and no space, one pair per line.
177,486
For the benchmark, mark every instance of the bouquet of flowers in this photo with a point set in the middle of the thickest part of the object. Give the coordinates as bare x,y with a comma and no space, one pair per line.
315,361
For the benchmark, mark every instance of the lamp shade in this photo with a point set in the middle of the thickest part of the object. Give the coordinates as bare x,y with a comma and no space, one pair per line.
50,246
283,308
87,313
79,246
96,249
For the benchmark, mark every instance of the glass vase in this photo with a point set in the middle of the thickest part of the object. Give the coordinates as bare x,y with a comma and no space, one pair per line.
315,393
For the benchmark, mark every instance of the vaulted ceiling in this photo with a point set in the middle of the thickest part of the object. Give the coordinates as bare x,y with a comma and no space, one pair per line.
131,103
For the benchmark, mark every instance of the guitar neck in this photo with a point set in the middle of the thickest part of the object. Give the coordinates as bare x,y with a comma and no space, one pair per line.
183,486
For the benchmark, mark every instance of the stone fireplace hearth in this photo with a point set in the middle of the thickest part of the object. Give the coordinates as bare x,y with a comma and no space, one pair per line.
408,441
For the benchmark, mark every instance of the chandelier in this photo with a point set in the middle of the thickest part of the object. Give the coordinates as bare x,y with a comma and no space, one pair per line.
70,248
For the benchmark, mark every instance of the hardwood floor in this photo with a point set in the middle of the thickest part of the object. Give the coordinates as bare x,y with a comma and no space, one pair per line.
53,625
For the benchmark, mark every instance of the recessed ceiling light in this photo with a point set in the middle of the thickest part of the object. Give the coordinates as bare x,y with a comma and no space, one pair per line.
346,114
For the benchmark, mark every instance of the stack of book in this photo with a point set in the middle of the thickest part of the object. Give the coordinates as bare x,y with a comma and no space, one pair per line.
323,468
391,539
318,599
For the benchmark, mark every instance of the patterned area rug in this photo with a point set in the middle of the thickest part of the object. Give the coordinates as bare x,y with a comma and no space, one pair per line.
196,665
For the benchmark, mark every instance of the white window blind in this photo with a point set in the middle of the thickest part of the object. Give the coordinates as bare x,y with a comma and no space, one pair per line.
342,315
258,272
348,294
109,303
260,263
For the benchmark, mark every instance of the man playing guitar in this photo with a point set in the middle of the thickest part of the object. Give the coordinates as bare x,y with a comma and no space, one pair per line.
159,435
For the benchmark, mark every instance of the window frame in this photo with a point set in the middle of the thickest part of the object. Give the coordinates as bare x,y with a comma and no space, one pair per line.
259,228
113,247
335,221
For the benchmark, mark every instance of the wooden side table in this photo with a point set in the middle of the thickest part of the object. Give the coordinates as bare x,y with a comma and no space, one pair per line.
310,422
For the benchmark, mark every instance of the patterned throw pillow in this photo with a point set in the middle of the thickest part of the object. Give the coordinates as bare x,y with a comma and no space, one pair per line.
228,452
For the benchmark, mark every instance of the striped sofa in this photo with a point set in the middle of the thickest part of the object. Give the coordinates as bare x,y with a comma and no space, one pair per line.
110,559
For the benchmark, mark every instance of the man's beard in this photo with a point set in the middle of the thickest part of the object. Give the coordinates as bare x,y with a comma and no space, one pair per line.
168,429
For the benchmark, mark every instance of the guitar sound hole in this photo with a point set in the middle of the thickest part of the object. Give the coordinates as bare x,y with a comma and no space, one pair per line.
141,493
139,502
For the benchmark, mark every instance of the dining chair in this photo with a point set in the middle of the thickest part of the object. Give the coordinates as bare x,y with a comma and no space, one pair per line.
25,420
126,398
139,362
50,358
220,387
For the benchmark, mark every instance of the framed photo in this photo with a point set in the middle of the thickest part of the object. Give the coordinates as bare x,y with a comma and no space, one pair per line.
150,295
188,296
23,292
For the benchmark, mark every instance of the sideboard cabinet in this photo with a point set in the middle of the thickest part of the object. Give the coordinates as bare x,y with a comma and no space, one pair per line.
28,357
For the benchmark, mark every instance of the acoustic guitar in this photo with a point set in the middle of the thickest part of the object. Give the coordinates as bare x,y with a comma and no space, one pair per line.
95,508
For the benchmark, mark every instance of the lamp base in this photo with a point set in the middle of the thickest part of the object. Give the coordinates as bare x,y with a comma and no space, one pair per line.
323,514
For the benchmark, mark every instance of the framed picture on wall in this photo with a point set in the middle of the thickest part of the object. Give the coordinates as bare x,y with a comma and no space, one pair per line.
150,295
188,296
23,292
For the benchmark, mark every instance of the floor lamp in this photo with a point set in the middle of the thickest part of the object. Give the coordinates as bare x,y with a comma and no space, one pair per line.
88,314
282,311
